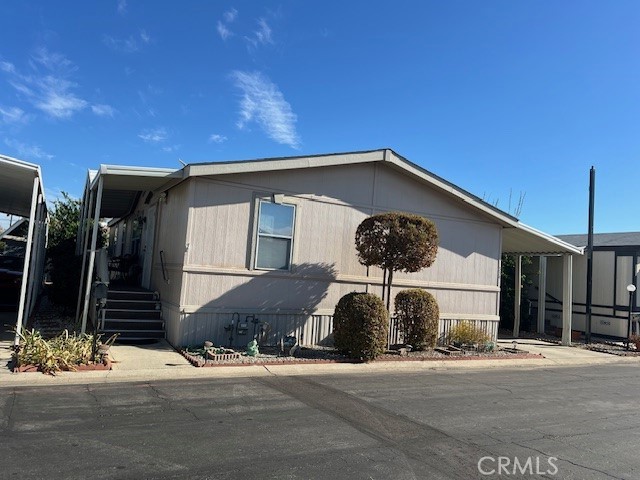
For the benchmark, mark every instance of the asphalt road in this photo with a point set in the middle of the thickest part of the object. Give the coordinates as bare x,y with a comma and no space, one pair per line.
567,422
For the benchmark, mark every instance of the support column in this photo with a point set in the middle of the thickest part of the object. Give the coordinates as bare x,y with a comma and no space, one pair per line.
517,301
83,248
36,258
567,297
92,256
542,293
27,261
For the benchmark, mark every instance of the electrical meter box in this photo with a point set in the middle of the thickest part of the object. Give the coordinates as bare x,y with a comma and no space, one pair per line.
242,328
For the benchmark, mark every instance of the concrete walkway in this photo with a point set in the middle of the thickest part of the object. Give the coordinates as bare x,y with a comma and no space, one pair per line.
161,362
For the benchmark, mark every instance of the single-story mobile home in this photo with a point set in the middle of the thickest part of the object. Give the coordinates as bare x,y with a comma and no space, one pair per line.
236,247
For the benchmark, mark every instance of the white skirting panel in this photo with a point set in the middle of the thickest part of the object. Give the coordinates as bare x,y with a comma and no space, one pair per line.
490,327
193,329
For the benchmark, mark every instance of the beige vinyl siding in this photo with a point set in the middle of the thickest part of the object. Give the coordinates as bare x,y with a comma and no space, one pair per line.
170,237
330,202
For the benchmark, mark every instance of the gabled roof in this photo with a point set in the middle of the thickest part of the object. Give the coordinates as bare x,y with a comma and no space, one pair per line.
518,238
621,239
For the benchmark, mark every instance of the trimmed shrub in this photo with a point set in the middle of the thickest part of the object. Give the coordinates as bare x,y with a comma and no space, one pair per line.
361,325
465,332
418,317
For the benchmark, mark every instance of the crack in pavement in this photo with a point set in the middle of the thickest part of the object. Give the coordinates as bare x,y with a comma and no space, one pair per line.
571,462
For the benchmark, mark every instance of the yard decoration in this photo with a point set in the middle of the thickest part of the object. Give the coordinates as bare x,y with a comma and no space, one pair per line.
360,325
418,317
252,348
396,241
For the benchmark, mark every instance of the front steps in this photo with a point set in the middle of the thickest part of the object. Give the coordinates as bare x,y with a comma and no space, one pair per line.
133,313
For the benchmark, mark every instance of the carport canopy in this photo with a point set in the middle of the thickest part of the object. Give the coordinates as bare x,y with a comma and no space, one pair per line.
521,239
22,194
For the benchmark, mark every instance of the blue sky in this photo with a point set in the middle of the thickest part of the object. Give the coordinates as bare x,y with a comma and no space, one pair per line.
495,96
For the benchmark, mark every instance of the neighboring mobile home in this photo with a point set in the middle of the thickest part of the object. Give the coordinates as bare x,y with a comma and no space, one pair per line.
274,238
616,264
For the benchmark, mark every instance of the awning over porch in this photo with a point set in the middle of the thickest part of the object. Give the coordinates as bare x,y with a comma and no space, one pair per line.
112,192
22,194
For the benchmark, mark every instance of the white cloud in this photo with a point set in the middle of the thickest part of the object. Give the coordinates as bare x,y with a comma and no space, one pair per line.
131,44
103,110
223,31
170,148
47,87
13,115
144,36
263,34
217,138
230,15
7,67
263,103
154,135
27,152
122,7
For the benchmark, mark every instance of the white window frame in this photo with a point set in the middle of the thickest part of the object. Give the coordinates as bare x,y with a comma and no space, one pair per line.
258,235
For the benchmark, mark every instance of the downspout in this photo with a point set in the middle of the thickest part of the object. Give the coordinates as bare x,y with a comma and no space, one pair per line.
27,261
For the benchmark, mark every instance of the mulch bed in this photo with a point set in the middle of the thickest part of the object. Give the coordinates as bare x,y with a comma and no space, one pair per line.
321,355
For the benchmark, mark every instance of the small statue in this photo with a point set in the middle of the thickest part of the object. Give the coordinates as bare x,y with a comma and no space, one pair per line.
252,348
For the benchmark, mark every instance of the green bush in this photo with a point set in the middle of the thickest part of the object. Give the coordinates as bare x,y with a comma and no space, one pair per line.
465,332
64,352
361,325
418,318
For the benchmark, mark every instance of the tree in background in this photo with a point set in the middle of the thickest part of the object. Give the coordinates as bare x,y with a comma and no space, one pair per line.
396,241
61,251
63,220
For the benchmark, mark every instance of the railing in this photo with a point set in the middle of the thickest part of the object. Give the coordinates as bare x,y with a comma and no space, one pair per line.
164,269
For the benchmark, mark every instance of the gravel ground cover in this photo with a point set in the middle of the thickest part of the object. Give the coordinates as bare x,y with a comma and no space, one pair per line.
318,354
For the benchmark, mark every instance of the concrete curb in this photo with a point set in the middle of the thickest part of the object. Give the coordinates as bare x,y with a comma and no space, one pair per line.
167,374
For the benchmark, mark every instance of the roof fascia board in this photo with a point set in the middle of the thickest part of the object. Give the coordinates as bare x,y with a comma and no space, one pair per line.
123,170
550,238
20,163
290,163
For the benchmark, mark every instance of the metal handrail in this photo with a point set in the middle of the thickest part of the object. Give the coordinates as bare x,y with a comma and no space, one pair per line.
162,264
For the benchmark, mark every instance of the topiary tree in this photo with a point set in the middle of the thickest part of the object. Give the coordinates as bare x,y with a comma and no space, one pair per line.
418,317
396,241
360,325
